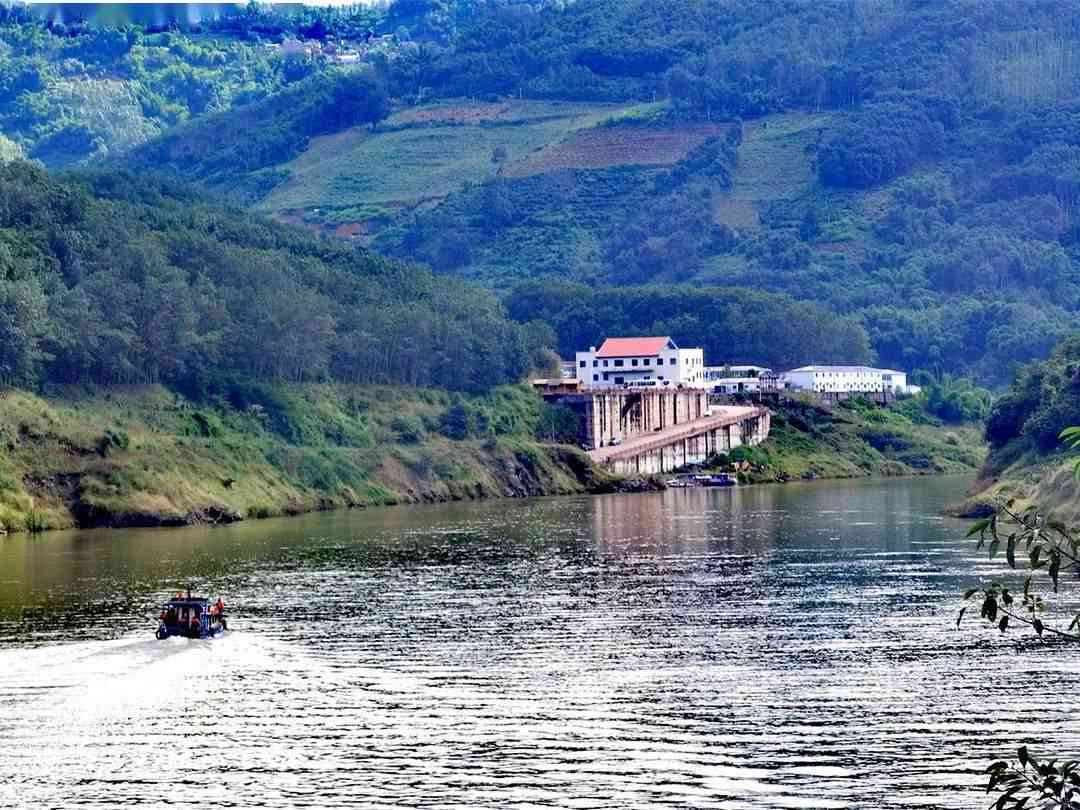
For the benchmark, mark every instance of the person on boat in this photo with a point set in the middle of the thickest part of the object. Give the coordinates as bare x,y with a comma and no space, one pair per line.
219,606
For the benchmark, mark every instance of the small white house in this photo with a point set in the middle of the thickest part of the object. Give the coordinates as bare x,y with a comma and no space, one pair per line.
641,362
847,379
734,372
739,379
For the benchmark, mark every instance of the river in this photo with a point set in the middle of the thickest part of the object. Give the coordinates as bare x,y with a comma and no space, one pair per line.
760,647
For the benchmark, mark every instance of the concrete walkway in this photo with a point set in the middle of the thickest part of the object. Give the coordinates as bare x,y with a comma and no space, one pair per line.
722,415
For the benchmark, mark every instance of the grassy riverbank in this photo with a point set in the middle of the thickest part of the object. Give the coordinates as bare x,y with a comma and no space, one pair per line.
145,456
855,440
1027,477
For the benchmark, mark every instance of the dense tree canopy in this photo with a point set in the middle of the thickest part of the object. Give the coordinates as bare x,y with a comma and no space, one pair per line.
1042,402
942,170
110,278
730,324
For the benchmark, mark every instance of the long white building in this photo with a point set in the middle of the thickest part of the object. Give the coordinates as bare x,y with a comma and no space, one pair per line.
847,379
640,362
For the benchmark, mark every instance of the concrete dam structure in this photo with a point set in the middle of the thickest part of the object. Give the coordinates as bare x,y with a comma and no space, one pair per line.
657,431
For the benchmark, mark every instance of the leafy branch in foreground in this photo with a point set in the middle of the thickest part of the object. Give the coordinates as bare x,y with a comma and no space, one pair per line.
1026,782
1051,549
1048,545
1071,437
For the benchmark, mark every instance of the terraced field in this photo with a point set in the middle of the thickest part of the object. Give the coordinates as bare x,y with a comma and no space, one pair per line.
774,164
616,146
571,176
419,156
562,219
355,182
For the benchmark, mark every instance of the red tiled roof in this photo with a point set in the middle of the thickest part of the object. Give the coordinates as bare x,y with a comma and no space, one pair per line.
633,347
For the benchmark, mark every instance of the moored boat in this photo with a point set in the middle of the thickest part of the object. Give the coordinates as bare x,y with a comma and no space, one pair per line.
715,480
721,480
191,617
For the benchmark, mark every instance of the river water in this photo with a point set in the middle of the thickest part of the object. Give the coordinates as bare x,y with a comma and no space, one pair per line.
759,647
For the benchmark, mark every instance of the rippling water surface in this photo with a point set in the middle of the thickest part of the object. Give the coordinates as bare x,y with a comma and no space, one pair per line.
765,647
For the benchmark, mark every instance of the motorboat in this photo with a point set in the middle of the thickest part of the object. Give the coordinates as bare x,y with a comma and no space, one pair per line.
191,617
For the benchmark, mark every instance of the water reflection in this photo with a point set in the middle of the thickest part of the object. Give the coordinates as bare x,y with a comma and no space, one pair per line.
756,647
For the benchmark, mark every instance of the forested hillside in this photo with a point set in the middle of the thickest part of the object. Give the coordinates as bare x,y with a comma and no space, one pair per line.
1028,460
906,170
76,89
909,164
109,278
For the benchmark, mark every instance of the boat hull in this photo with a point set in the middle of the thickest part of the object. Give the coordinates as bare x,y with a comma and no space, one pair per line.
165,631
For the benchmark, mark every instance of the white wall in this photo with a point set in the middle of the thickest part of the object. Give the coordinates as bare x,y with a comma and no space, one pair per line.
840,380
684,367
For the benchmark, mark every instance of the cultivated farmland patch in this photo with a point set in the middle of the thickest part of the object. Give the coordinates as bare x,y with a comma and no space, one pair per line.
420,155
501,112
605,147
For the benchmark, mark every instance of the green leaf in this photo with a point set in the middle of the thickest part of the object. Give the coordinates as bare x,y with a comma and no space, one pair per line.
1022,755
963,610
970,592
1003,624
1038,625
978,526
1055,566
1071,436
1010,551
995,544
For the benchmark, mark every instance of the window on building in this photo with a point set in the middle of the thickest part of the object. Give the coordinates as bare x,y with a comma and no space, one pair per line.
605,364
595,377
645,362
582,364
605,376
671,361
618,363
595,363
633,362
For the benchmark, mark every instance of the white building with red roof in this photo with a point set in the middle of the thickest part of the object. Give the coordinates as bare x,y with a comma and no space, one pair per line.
640,362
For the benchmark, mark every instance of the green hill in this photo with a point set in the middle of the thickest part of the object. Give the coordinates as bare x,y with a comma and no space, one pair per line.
1027,460
106,278
908,167
74,90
